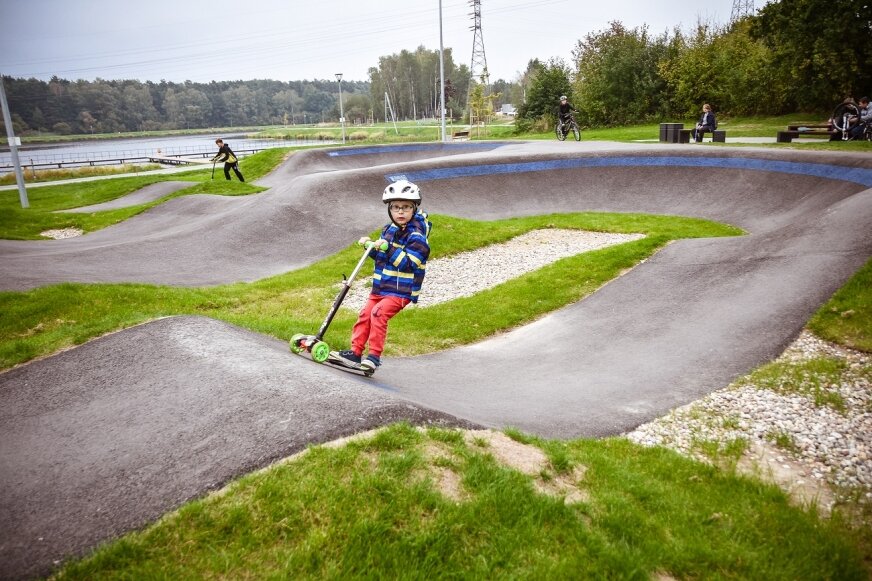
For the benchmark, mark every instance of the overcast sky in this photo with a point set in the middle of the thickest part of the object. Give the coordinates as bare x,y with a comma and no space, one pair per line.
288,40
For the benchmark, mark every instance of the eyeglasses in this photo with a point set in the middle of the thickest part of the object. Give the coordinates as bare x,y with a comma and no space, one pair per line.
403,208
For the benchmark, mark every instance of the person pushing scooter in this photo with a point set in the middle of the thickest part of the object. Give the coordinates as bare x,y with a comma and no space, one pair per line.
400,255
230,160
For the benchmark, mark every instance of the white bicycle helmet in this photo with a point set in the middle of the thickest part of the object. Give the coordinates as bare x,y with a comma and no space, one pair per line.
562,97
402,190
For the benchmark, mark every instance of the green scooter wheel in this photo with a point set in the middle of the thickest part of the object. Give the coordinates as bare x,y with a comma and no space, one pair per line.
295,343
320,351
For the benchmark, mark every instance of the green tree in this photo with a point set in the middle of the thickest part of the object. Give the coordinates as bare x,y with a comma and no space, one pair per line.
137,106
62,128
821,49
357,108
741,80
618,79
38,118
481,105
502,92
547,83
187,108
240,105
86,121
288,102
411,81
318,102
101,100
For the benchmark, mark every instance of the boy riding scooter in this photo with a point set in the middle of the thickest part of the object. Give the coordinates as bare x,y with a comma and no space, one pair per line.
399,272
400,255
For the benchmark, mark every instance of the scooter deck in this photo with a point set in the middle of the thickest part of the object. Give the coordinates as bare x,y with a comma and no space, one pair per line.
336,361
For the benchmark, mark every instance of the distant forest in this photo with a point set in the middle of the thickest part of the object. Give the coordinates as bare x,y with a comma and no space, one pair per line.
406,84
75,107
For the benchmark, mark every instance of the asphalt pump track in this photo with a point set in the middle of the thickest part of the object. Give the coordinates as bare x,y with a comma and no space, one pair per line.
104,438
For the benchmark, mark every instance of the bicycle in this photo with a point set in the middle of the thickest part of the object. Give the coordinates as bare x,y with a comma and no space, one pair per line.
564,127
842,116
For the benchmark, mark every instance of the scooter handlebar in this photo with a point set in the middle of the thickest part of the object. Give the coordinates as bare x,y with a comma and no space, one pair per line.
369,245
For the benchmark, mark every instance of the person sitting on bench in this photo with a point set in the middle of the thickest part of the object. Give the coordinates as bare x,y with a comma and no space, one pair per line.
862,121
706,123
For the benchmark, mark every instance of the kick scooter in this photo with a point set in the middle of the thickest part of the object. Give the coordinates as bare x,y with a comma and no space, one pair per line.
315,344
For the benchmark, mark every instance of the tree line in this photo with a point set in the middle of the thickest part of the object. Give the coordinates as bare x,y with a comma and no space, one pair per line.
403,86
791,56
103,106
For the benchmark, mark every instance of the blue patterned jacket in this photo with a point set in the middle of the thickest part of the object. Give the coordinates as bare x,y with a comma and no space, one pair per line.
399,270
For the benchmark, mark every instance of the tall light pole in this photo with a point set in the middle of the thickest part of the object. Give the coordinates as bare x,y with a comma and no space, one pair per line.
13,146
341,111
441,74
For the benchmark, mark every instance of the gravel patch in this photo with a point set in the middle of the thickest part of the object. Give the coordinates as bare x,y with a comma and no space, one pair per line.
62,233
449,278
808,442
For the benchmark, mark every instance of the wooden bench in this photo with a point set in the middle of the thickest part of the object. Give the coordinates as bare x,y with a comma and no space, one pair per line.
717,136
460,135
800,126
789,135
802,129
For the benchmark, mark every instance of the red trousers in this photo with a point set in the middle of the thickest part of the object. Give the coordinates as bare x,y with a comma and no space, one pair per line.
372,324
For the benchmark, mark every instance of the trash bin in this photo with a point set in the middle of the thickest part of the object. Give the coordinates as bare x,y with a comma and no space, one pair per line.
670,132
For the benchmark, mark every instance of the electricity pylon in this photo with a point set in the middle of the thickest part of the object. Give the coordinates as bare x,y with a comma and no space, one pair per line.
741,9
478,64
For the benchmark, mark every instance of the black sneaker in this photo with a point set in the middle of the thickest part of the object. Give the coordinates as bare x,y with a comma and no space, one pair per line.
350,356
371,362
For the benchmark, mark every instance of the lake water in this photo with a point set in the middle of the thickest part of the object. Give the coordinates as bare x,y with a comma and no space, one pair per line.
94,150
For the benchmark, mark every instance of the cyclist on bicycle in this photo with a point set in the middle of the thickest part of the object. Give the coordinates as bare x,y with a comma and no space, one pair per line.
565,110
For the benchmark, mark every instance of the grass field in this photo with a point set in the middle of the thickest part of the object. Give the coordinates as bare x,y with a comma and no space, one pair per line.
381,508
501,128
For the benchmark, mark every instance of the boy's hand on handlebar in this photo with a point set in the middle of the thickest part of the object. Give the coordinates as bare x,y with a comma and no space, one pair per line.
380,244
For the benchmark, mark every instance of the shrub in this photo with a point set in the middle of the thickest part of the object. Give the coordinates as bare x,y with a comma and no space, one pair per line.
62,128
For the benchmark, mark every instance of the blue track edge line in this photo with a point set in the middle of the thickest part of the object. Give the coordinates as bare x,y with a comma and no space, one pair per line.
862,176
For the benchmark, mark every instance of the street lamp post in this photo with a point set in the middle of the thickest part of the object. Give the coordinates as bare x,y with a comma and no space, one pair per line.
441,76
341,111
13,147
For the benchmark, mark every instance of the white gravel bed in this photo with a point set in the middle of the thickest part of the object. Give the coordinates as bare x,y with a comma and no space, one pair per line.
825,444
467,273
62,233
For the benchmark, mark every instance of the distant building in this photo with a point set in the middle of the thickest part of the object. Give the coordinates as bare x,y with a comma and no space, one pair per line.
507,110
